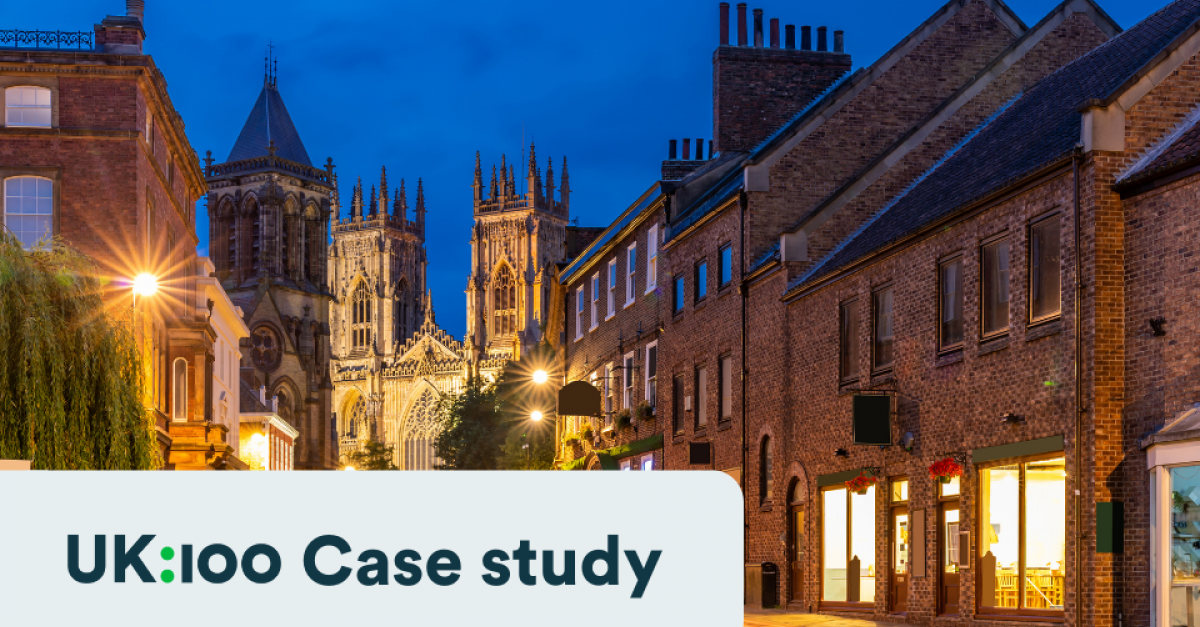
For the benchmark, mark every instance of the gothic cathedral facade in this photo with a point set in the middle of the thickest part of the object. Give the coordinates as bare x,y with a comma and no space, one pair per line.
269,211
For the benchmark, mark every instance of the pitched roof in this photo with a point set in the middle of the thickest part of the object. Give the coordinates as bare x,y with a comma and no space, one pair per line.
1178,148
1040,128
269,121
601,243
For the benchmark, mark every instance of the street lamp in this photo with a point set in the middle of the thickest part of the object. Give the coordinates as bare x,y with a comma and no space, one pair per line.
145,284
536,416
540,376
348,468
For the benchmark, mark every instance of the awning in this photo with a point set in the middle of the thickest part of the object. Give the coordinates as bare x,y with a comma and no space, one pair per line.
608,457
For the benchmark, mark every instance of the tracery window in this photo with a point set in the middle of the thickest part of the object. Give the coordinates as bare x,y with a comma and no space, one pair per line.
265,348
504,302
360,316
418,433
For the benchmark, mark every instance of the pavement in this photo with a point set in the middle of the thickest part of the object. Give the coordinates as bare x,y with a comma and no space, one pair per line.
756,617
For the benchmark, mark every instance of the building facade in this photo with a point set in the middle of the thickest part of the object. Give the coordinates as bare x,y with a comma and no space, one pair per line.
269,211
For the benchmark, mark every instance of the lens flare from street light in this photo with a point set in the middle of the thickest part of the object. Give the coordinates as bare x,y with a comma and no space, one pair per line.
536,416
145,284
540,376
349,469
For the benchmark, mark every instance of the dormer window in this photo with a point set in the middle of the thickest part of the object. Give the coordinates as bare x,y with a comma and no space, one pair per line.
27,106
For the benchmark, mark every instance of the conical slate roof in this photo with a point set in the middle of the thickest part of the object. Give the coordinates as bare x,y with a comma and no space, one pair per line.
269,121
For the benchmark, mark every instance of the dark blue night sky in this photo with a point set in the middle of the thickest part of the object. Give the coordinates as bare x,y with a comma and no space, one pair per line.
420,86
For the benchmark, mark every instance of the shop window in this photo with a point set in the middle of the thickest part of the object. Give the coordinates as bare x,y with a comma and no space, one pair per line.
848,546
1022,538
884,333
848,347
1045,280
950,304
995,287
648,461
1185,555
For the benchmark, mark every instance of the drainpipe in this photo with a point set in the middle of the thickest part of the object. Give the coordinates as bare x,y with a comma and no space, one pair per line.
1080,407
745,289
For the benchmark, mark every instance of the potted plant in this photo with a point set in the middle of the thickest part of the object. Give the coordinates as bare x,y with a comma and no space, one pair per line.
623,418
585,431
861,483
571,438
645,411
946,469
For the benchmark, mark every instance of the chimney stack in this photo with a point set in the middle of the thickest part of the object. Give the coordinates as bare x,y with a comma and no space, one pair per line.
135,8
699,149
687,149
710,151
671,152
774,32
839,41
822,39
806,38
741,7
758,31
724,24
789,35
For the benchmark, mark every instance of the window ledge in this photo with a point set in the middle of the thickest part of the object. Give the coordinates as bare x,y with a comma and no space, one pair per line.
698,305
1043,329
725,425
994,344
610,316
629,303
883,377
678,438
765,508
593,328
849,386
954,356
700,432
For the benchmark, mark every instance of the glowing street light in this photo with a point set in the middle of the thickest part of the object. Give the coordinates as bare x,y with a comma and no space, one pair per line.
540,376
349,469
535,416
145,284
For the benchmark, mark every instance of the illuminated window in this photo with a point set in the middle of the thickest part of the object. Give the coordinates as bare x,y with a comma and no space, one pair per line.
648,461
612,288
360,321
652,373
29,209
1022,537
630,273
180,391
608,396
27,106
627,374
848,546
652,259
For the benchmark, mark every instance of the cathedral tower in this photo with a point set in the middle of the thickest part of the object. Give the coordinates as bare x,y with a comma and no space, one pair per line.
269,211
518,237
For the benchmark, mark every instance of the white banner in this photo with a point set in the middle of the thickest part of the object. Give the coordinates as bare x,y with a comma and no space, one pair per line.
333,548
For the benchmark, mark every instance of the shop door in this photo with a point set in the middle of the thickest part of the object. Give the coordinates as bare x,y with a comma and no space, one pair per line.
797,533
948,538
901,550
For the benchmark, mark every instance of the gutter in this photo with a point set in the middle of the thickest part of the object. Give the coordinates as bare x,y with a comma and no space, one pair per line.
1080,408
744,288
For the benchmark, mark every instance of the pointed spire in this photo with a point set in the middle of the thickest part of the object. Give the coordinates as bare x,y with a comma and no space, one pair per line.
532,159
550,181
429,318
505,188
565,192
383,191
478,183
374,206
532,181
420,207
512,181
356,203
402,204
337,199
494,191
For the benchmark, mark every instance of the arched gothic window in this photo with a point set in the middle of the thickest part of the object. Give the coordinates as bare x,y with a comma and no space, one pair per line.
765,470
180,391
360,316
358,418
504,302
419,430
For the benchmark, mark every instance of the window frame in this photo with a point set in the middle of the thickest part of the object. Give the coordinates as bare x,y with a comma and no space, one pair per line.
700,283
766,470
4,213
943,346
579,300
995,240
847,329
631,274
50,123
876,367
612,288
179,390
608,398
595,301
678,402
1029,267
652,258
724,365
822,602
627,363
651,375
678,294
726,280
700,405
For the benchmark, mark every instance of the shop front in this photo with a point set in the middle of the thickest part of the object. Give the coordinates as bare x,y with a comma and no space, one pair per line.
1173,460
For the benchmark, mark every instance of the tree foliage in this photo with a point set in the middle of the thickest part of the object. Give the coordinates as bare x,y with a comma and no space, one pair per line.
374,456
71,379
487,425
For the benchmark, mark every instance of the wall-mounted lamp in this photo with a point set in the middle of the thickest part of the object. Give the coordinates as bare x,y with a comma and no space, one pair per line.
841,452
1158,326
906,441
1010,418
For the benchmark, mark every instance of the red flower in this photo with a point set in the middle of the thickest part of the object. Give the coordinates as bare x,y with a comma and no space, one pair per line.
861,483
945,468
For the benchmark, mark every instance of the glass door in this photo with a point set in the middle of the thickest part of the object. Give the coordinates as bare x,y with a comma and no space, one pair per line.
797,520
900,559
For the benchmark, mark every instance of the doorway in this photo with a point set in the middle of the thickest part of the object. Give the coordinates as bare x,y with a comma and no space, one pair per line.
796,519
948,538
901,546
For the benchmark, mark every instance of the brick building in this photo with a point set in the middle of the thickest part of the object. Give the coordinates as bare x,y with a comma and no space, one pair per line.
92,151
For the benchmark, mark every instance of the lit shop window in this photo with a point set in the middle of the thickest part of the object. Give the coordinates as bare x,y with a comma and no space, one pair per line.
848,546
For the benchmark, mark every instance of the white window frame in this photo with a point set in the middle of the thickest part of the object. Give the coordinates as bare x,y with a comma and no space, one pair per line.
4,204
10,95
627,379
579,313
612,288
627,464
647,462
608,400
595,301
646,378
179,387
652,259
630,274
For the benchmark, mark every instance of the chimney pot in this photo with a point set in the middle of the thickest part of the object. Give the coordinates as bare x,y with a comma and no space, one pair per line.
724,40
758,31
839,41
774,32
135,8
741,7
671,153
699,149
806,38
687,149
822,39
789,36
710,147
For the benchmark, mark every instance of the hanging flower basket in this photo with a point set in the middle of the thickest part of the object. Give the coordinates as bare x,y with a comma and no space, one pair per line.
585,431
861,483
945,470
623,419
